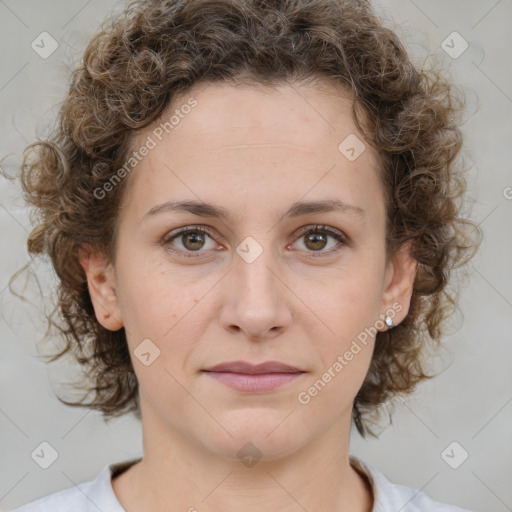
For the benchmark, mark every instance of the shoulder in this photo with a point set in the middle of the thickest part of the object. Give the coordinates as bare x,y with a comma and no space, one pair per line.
89,496
389,496
414,500
62,501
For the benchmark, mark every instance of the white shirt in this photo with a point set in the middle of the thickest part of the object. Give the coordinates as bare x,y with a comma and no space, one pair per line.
98,494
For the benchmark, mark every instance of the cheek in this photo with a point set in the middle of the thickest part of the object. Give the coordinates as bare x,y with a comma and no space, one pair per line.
346,347
153,295
340,321
348,300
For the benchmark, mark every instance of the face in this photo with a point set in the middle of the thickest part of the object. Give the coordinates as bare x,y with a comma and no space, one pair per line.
270,279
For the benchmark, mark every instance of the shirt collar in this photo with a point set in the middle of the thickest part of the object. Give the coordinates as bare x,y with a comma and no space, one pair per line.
383,490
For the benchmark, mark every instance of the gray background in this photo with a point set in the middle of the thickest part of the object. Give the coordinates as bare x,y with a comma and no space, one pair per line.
469,403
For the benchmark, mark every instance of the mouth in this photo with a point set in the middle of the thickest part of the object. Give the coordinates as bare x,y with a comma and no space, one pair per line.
259,378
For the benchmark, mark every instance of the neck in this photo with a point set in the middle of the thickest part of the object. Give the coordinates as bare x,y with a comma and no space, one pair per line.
176,470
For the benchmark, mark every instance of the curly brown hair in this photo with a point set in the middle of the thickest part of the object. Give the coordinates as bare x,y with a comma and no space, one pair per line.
142,58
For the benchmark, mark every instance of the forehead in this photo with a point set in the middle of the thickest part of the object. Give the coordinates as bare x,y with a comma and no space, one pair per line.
289,112
244,140
301,107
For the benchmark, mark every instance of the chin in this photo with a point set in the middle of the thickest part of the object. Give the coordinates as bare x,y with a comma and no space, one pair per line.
257,433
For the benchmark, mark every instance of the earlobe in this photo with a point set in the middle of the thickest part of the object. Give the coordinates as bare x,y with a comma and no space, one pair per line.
102,287
400,282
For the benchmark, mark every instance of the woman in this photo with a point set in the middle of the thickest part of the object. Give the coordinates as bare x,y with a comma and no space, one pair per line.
253,210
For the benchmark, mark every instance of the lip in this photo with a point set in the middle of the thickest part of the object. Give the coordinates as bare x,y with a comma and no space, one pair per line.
259,378
253,369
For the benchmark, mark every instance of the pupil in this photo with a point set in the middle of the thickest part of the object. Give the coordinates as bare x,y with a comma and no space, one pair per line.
315,237
197,238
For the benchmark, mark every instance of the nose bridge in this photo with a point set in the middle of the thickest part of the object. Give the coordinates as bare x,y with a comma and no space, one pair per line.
257,283
257,302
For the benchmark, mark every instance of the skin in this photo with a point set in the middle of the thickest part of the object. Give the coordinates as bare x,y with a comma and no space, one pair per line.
253,152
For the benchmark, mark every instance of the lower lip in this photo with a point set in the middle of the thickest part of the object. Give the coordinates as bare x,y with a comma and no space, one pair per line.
254,383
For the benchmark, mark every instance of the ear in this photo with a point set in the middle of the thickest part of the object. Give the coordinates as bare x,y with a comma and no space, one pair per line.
399,281
102,287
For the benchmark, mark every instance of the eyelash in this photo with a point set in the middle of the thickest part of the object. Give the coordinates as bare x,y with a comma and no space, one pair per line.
316,229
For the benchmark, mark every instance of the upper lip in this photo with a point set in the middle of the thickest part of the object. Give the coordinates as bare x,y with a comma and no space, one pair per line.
248,368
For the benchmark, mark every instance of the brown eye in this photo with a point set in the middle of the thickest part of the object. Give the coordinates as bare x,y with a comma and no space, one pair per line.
316,241
193,240
189,240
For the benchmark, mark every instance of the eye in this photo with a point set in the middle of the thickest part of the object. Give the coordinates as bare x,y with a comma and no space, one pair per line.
316,238
192,239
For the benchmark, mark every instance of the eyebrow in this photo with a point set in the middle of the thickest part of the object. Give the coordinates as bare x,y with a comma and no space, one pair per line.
296,209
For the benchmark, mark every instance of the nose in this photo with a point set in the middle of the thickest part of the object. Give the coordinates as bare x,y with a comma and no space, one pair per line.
257,298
